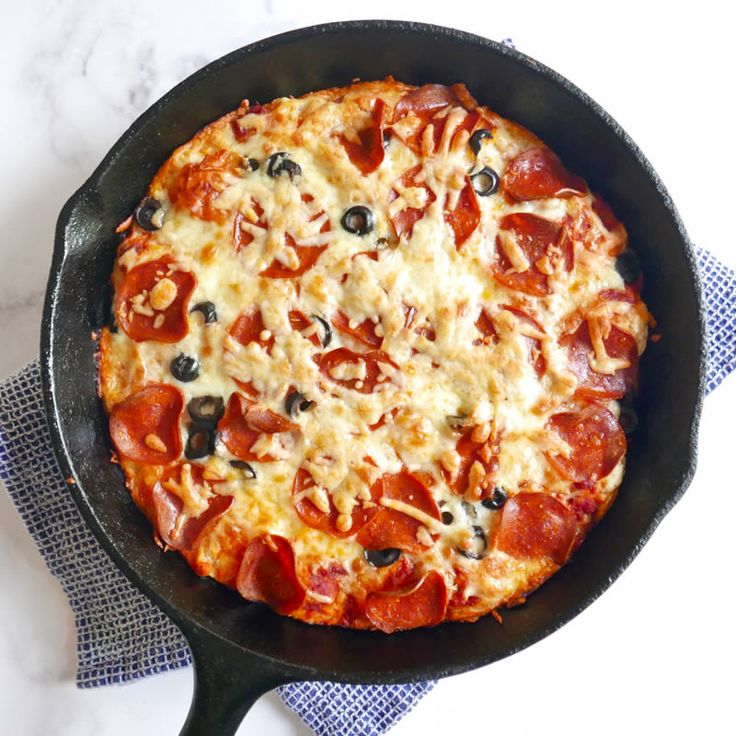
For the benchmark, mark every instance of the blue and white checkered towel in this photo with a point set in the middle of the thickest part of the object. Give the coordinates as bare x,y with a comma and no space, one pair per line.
121,635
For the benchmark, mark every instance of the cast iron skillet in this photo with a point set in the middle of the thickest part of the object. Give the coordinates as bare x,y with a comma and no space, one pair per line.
242,650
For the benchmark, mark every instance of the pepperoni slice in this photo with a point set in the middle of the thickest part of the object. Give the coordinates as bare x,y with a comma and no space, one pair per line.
318,519
534,237
244,422
460,598
468,123
464,218
404,220
390,527
538,174
627,294
268,574
618,344
368,154
485,453
365,332
329,363
424,605
243,238
536,525
325,580
198,185
307,256
535,346
145,426
425,101
249,327
140,293
241,134
484,325
300,322
596,441
605,213
177,533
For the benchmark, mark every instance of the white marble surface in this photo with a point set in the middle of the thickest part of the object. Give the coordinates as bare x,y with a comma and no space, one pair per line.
655,653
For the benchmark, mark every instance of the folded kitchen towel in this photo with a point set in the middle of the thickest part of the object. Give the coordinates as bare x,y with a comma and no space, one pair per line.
122,635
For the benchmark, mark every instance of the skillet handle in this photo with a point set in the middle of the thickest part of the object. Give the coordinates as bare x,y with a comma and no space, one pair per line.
227,682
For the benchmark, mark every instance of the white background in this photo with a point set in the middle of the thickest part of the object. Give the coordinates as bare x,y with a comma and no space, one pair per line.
655,653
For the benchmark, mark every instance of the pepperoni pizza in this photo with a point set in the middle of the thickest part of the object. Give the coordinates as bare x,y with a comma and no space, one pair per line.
367,354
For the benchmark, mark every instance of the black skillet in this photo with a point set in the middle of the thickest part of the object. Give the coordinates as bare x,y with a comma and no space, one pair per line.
241,650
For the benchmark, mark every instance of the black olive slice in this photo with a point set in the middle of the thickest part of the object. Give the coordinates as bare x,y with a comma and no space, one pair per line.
485,182
200,443
296,402
628,266
184,368
447,517
326,336
382,557
628,419
497,499
252,164
208,311
145,211
206,411
280,163
480,545
476,140
248,470
357,220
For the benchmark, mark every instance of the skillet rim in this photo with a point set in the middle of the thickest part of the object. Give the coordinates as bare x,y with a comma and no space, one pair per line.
187,622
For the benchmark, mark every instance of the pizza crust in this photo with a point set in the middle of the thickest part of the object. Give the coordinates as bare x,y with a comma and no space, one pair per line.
446,363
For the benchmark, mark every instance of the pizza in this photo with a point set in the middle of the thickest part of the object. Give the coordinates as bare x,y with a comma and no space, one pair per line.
371,354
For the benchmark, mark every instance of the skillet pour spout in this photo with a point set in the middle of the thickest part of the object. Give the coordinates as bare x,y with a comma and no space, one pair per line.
241,650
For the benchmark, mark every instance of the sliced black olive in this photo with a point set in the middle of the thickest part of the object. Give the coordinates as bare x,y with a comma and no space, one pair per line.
628,419
382,557
145,211
447,517
296,402
326,336
386,138
476,140
252,164
247,468
280,163
208,311
497,499
357,220
200,443
206,411
184,368
480,545
485,182
628,266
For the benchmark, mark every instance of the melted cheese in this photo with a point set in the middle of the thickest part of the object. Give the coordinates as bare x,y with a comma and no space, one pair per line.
492,382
